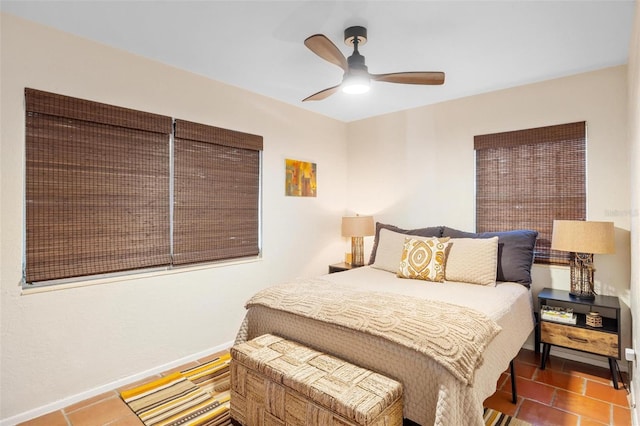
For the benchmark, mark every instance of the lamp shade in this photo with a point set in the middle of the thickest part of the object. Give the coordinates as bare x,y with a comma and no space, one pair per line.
357,226
581,236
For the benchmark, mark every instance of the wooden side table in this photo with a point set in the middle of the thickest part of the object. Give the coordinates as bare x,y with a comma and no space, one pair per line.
603,340
340,267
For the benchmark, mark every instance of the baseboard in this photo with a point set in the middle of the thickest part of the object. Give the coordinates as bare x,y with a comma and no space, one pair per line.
65,402
632,404
599,361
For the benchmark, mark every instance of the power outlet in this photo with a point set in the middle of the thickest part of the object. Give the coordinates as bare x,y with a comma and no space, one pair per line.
629,354
630,357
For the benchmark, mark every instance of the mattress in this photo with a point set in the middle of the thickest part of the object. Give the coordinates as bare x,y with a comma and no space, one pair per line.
432,395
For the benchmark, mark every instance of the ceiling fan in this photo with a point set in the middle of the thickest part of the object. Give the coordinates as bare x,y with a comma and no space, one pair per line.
356,77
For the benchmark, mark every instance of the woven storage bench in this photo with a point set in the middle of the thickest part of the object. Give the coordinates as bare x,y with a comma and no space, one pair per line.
278,382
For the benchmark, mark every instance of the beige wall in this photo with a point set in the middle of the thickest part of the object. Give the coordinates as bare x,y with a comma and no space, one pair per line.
634,151
416,168
59,344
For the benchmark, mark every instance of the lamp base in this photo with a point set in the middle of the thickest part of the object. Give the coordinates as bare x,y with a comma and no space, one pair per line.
581,267
357,251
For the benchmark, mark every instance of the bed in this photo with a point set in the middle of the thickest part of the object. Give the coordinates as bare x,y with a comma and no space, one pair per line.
446,341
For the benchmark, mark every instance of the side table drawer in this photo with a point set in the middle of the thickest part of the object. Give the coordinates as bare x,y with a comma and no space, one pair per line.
593,341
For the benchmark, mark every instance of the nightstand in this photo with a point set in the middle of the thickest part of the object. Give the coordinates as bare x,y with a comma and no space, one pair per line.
340,267
603,340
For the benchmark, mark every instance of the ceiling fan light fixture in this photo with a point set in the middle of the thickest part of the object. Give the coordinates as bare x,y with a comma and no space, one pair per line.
356,84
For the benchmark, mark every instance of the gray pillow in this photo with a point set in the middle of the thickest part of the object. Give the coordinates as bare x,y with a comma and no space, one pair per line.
515,252
434,231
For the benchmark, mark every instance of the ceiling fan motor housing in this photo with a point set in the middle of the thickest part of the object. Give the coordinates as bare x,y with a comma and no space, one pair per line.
356,63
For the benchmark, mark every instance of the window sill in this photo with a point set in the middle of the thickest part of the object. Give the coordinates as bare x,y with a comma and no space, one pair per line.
128,276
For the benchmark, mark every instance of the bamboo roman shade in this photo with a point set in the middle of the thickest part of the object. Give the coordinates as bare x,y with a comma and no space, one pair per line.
527,178
217,193
97,185
111,189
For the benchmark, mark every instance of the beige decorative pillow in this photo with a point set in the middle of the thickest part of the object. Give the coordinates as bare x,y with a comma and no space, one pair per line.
472,260
389,250
423,259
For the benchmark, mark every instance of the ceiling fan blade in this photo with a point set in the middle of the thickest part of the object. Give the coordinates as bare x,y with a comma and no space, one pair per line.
323,94
323,47
418,77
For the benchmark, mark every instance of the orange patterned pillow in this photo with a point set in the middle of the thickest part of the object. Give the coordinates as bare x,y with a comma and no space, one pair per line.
424,259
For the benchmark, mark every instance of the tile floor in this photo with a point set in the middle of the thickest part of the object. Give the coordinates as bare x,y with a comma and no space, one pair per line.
565,393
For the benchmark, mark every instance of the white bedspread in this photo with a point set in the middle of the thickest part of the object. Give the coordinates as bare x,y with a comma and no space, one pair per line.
432,394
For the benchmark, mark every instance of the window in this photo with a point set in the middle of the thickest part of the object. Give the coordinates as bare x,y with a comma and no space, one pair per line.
100,184
527,178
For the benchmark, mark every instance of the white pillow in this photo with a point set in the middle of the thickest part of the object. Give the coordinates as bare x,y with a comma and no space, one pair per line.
389,252
472,260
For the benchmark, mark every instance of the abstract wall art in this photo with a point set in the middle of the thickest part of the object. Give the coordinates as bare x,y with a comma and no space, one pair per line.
300,180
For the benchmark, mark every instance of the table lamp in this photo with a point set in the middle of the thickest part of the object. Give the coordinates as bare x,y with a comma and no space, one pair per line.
357,227
582,239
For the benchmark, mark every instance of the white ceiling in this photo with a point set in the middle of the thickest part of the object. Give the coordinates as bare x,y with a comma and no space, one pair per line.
258,45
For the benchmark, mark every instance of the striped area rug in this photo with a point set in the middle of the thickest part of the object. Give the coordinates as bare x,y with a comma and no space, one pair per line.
198,396
496,418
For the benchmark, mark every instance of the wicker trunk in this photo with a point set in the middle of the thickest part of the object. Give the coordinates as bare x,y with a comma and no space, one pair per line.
278,382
